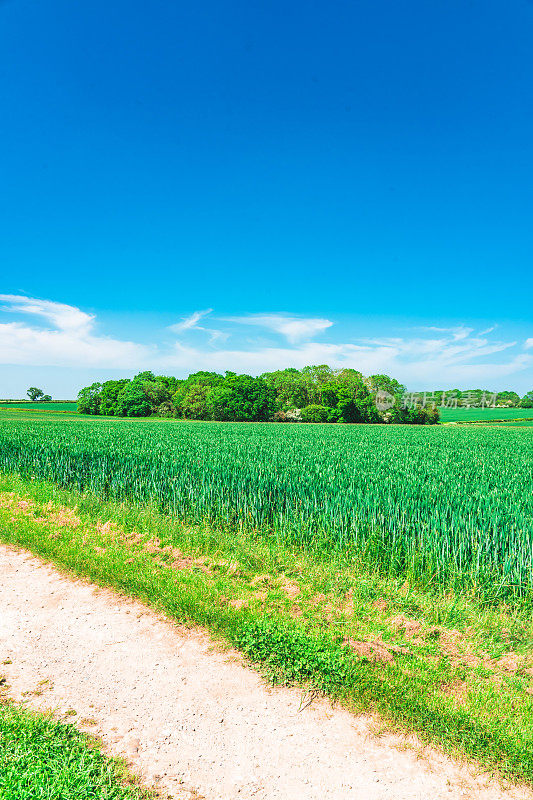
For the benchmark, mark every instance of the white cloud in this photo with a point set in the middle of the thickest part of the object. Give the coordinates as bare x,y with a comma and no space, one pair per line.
190,322
216,336
263,359
295,329
458,332
413,366
69,341
446,357
444,361
449,349
63,317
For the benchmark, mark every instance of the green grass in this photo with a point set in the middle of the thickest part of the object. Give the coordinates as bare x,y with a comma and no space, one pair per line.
443,664
484,414
440,505
43,758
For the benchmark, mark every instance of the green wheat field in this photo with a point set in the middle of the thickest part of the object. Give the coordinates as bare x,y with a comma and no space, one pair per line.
447,505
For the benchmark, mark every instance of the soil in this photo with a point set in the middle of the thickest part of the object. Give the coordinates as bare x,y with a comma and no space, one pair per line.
193,720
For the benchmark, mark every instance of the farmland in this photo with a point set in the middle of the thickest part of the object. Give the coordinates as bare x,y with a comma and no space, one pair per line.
451,506
484,414
53,407
297,544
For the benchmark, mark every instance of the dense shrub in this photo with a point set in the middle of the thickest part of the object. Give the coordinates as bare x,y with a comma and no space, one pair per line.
315,413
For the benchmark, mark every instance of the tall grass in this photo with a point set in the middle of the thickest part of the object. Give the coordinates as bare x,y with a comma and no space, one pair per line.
446,506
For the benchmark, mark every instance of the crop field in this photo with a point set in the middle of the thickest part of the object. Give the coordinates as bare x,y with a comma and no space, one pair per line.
52,407
451,506
484,414
522,423
389,567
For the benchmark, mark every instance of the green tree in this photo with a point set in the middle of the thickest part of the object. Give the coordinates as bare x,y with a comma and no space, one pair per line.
148,375
157,393
290,387
169,381
89,399
417,415
316,413
194,403
34,393
349,377
386,384
132,400
358,406
348,398
204,378
527,400
241,398
510,399
109,395
315,376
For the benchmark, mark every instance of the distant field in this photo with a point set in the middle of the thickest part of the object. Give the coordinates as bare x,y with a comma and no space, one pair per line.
484,414
50,407
523,423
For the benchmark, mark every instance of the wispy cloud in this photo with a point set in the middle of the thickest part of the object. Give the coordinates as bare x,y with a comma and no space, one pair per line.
63,317
216,336
190,322
69,339
55,334
447,349
457,332
422,371
445,360
294,329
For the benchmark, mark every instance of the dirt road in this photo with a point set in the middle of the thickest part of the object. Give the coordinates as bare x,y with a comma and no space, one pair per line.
193,721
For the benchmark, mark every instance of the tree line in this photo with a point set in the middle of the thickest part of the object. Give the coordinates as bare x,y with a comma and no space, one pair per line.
476,398
312,394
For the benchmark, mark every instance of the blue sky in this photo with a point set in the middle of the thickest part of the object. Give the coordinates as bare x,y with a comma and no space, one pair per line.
347,182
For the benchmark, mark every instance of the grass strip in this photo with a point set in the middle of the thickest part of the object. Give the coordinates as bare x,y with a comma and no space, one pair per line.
41,757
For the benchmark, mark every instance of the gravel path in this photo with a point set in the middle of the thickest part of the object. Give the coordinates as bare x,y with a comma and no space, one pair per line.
190,720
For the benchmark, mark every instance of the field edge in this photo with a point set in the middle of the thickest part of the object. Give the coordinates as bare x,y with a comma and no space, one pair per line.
287,641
